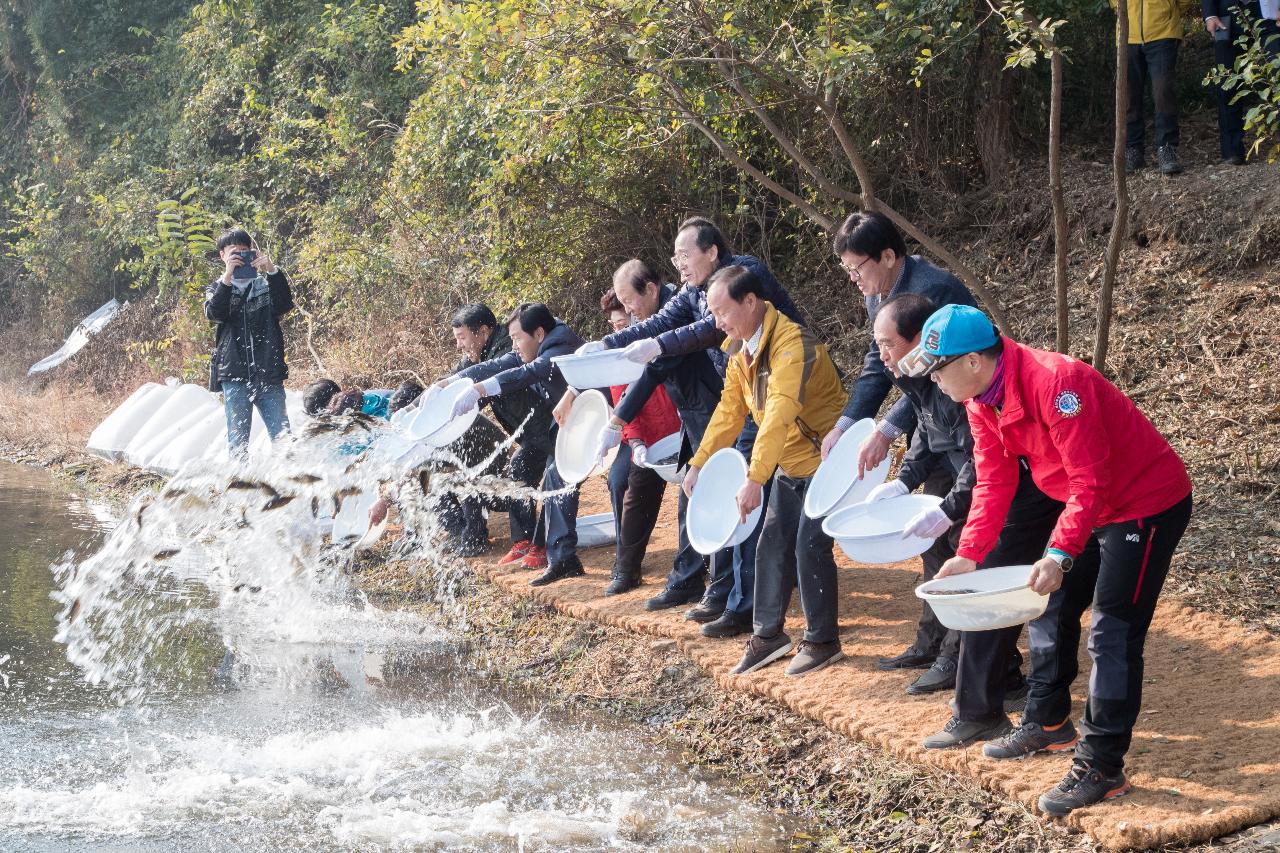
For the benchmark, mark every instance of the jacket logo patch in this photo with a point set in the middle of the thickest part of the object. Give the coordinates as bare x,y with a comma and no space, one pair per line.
1068,404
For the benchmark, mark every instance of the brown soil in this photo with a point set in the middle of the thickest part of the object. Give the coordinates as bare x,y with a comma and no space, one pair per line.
1203,761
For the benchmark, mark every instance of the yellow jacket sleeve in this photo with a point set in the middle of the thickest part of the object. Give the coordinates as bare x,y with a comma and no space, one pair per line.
782,401
728,418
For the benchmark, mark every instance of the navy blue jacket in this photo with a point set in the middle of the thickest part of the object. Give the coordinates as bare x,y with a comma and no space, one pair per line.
1220,8
540,374
873,384
512,410
684,324
692,382
248,344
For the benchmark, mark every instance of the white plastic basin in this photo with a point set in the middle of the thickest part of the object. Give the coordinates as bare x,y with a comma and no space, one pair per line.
598,369
113,435
432,420
351,524
984,600
872,533
666,448
177,406
836,484
712,515
576,440
596,530
191,440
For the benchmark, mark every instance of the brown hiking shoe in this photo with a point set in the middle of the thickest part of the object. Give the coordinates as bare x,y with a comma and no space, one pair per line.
814,656
762,651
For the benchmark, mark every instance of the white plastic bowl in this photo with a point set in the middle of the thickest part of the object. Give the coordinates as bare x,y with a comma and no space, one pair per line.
666,448
872,533
351,524
712,515
600,369
576,440
836,484
999,598
432,421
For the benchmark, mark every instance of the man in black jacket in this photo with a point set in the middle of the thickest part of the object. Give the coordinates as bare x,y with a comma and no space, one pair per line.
971,661
536,337
1223,20
871,250
480,338
248,363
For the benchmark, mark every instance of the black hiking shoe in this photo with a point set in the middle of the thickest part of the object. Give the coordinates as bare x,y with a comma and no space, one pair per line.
1083,786
912,658
729,624
762,651
1030,738
1134,159
569,568
672,598
958,733
622,582
1167,157
814,656
706,611
941,676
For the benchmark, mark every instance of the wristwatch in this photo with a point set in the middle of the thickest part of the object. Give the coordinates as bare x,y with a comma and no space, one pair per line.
1062,558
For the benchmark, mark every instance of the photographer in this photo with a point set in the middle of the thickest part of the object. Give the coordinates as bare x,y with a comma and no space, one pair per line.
248,364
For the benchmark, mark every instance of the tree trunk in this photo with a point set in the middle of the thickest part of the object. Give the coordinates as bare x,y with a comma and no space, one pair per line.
1061,230
1121,219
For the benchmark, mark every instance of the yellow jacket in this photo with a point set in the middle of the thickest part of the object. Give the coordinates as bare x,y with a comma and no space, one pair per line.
790,388
1151,20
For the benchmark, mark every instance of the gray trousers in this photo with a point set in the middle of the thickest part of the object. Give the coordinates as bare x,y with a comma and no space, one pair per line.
793,551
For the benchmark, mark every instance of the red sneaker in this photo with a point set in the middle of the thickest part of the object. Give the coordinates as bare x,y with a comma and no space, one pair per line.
517,552
536,558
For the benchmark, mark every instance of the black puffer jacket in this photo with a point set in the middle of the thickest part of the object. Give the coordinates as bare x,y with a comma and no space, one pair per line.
248,344
511,409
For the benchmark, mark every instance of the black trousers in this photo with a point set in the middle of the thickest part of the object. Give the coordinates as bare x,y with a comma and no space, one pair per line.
641,503
932,637
526,467
990,663
793,551
1120,574
1154,61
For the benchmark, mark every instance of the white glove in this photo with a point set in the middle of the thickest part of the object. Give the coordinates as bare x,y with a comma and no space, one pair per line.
928,524
590,347
610,437
884,491
467,400
640,455
643,352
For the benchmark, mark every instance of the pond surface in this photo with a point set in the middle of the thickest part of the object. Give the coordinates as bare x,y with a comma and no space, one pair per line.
362,732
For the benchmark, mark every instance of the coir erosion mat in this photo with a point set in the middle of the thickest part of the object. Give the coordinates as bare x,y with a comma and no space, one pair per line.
1205,759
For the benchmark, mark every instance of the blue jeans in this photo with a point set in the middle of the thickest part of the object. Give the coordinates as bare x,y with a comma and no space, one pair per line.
561,515
733,580
239,400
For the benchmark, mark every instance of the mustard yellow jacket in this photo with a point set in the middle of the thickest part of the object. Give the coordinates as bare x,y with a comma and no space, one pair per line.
1151,20
791,389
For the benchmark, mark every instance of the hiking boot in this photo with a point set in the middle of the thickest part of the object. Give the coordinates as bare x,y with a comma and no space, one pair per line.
536,558
1083,786
762,651
958,733
622,582
941,676
567,568
517,552
706,611
729,624
1134,159
672,598
814,656
1167,157
912,658
1030,738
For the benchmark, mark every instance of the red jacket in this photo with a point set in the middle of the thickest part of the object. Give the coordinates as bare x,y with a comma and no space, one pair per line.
1088,445
658,419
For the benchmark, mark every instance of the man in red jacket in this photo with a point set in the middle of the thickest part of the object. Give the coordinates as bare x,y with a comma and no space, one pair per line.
1128,502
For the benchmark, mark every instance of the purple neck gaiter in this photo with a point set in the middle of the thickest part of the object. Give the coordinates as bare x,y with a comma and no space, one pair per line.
994,395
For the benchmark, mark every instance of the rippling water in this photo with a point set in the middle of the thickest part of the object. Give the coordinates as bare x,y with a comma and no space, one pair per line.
294,718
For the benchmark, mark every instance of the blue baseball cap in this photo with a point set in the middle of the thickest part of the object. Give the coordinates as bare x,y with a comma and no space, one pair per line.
950,332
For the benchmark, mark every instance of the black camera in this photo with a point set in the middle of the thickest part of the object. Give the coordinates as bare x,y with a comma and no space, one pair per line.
245,270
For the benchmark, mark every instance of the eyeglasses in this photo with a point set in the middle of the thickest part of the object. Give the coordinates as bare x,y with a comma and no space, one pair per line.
679,258
855,272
